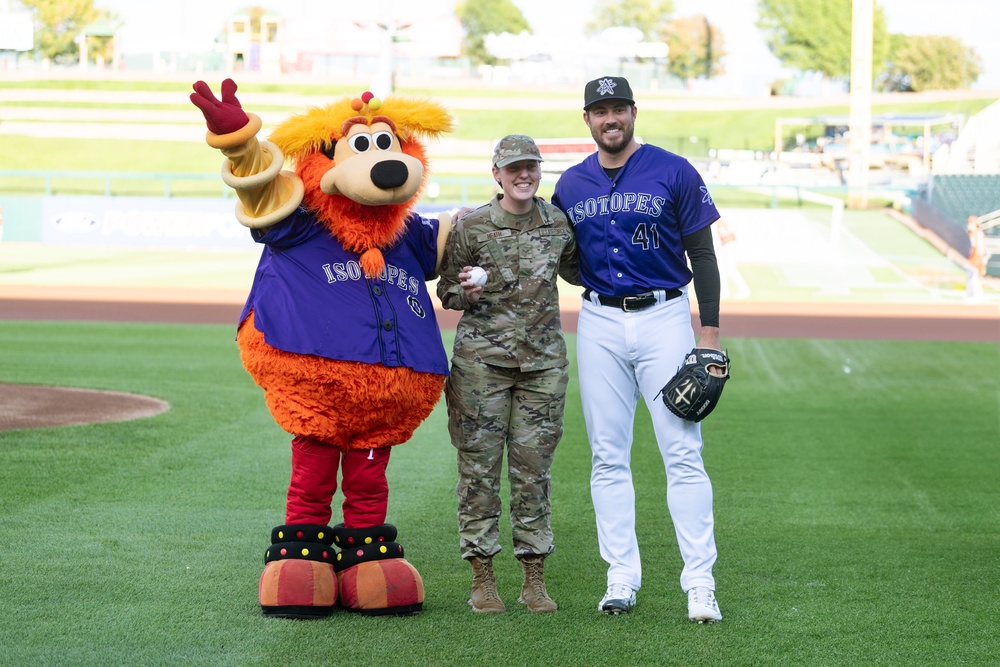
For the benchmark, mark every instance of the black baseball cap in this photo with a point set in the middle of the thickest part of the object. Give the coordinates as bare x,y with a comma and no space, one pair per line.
607,88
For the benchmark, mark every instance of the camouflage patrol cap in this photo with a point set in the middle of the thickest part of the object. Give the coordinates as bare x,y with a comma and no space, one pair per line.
513,148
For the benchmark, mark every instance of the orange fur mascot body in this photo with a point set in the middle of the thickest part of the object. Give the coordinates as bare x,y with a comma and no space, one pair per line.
338,330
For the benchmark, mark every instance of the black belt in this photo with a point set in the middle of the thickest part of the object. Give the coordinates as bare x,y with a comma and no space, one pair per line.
631,304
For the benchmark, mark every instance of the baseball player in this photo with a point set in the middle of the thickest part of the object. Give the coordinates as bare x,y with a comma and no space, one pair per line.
509,370
637,210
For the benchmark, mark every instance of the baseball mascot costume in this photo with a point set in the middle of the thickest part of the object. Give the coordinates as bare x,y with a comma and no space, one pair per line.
338,330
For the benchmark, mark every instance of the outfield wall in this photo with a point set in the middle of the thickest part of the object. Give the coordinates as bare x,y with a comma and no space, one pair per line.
124,222
21,217
159,222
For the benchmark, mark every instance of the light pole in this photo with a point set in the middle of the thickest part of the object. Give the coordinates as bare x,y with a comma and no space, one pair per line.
859,142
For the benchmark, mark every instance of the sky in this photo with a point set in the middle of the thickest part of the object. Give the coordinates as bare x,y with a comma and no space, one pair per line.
192,24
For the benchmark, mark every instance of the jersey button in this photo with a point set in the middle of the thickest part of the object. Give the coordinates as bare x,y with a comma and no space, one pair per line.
387,325
377,290
614,250
619,275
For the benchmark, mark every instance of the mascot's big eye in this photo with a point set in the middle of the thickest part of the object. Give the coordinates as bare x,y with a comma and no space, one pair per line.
329,148
383,140
360,142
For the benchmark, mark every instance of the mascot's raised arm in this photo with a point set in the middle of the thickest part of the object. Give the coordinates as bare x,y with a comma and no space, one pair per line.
338,330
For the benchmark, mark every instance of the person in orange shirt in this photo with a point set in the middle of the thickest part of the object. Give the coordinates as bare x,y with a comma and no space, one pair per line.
977,259
726,252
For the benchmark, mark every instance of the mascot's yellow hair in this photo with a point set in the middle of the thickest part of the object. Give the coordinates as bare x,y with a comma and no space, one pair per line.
306,133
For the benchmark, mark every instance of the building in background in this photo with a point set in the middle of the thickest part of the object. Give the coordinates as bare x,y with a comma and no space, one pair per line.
374,49
17,35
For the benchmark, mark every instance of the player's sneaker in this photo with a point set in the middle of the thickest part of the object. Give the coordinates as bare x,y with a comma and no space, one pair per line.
619,599
702,606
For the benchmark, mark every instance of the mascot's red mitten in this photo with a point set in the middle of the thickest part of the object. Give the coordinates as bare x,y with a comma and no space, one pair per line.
339,330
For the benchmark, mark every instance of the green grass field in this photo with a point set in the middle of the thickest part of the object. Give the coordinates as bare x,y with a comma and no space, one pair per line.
855,487
855,482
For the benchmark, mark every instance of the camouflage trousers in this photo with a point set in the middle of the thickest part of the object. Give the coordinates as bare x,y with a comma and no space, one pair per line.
490,407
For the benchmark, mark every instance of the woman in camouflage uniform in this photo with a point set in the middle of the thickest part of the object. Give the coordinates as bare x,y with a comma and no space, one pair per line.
509,369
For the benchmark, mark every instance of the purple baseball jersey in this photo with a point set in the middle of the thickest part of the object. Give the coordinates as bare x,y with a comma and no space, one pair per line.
629,230
310,296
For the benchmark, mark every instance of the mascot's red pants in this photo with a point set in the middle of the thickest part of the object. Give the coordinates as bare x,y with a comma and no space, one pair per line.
314,481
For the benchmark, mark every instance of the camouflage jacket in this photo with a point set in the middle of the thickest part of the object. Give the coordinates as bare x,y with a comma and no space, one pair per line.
515,323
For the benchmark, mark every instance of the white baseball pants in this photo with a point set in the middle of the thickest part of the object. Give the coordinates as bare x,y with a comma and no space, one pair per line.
621,356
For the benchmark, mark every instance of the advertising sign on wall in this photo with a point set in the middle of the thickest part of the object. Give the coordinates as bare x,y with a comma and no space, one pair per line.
143,222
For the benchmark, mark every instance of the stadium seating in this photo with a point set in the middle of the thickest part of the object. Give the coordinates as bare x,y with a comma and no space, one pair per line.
962,195
945,203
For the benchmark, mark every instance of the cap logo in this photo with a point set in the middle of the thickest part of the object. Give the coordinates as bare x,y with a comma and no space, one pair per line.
606,87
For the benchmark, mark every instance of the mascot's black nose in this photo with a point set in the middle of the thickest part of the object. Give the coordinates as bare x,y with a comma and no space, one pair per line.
389,174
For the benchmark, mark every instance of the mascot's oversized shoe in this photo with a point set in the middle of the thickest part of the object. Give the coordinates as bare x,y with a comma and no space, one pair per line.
298,579
373,576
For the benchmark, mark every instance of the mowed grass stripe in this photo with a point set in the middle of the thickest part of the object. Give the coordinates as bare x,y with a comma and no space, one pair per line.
856,518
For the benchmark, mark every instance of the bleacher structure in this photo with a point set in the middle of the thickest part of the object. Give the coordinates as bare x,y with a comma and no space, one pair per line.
965,182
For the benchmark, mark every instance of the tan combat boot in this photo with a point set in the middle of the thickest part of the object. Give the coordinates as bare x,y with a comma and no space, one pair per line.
484,598
533,590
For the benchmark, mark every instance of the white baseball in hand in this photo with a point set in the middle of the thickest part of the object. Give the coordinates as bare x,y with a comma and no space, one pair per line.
477,275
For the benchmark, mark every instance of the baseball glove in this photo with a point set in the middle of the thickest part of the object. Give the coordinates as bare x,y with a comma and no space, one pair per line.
694,391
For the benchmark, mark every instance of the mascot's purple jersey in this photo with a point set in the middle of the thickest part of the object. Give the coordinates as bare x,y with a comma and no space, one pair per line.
310,296
629,230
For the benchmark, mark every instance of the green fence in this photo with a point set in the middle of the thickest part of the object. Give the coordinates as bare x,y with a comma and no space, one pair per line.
457,189
109,183
444,190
